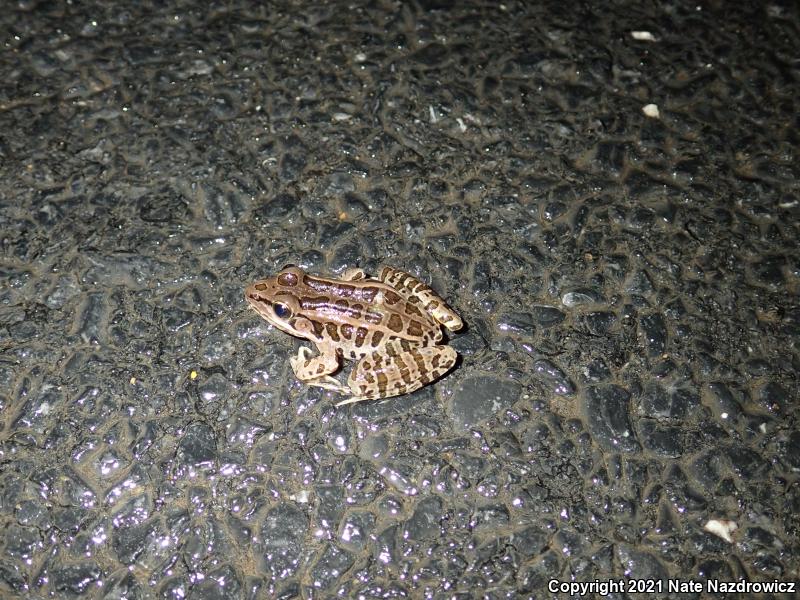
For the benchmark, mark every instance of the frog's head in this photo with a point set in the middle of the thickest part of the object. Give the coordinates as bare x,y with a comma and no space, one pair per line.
276,299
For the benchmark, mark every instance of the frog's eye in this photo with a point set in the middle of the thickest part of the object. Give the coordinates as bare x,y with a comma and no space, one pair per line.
281,310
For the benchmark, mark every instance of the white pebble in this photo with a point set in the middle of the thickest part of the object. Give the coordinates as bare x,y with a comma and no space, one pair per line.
651,110
721,528
644,36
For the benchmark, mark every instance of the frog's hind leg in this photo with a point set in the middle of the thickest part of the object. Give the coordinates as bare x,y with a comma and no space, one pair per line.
383,375
317,371
417,292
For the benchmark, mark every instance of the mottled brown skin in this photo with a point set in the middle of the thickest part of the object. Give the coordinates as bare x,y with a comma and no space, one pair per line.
390,325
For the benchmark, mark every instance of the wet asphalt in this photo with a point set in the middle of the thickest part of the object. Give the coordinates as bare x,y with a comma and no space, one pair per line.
607,195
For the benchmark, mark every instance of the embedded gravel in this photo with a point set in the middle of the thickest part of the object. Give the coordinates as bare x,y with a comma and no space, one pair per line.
629,284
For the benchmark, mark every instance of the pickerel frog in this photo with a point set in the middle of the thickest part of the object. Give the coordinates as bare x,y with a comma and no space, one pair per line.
390,325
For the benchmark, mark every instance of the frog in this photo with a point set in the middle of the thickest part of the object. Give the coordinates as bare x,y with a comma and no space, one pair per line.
390,325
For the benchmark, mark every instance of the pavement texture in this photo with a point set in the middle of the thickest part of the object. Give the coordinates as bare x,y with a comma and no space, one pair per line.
607,193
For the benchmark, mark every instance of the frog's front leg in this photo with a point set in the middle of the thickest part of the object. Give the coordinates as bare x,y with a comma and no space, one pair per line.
382,375
317,371
420,293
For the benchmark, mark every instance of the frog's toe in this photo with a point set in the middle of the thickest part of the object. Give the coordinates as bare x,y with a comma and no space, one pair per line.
302,359
352,400
329,383
303,353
